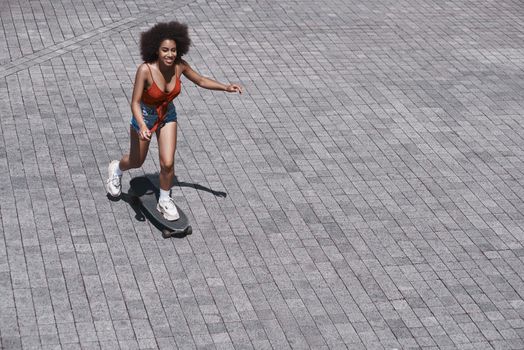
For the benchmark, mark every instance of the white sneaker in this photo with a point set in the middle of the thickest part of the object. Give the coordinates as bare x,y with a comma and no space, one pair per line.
168,208
113,184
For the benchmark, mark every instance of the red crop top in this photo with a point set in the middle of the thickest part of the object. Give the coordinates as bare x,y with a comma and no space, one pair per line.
154,96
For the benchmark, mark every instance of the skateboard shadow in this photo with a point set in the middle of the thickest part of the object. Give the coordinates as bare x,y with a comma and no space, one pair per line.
134,204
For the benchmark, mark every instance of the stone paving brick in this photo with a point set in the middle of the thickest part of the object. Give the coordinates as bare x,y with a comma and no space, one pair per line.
364,192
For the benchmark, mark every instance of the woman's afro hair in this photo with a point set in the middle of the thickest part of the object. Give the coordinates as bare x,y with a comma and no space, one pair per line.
150,40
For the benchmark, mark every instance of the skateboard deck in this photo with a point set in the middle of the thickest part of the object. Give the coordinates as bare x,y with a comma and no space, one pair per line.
146,193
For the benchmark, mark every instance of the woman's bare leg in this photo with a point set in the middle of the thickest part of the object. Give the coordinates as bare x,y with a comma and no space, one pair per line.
137,152
166,137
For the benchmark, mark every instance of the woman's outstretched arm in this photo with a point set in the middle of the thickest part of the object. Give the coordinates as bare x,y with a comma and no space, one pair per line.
207,83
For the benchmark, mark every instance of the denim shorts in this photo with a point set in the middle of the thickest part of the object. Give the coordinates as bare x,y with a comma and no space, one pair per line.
150,115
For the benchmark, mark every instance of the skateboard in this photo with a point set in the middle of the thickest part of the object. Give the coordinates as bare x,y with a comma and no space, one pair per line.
145,193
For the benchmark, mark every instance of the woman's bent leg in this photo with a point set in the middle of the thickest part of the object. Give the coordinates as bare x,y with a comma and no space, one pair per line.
137,152
135,158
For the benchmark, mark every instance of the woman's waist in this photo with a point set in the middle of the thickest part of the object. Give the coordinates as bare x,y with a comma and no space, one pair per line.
155,106
153,111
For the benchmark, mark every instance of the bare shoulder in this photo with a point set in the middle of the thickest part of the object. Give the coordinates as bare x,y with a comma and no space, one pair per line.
143,75
142,69
183,65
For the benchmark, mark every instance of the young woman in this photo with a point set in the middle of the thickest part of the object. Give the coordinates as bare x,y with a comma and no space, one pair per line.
157,83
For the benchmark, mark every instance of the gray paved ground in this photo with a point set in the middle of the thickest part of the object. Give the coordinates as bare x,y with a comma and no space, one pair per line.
373,172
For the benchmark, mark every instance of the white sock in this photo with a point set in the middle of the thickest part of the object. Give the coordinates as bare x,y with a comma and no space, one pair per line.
164,195
118,172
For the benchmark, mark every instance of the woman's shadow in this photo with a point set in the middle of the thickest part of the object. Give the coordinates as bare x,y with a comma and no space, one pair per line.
197,187
135,204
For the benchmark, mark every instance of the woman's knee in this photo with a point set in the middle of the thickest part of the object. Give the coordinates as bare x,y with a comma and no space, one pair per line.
167,166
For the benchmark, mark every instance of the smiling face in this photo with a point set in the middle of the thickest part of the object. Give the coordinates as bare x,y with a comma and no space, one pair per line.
167,52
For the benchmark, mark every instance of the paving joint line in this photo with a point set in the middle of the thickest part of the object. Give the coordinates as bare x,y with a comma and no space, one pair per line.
79,41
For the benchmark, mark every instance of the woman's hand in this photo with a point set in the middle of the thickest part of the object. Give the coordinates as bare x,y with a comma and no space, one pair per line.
144,133
234,88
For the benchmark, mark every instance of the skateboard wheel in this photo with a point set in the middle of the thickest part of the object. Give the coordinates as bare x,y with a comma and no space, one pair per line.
189,230
166,233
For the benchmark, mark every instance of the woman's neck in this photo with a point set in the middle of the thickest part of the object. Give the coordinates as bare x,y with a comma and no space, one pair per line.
165,70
